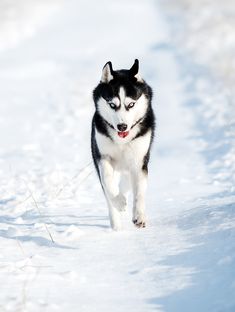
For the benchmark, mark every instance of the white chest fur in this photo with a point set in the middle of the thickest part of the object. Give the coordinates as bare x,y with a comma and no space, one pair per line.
124,156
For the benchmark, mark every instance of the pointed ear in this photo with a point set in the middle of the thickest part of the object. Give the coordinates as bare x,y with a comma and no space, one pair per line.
107,73
134,70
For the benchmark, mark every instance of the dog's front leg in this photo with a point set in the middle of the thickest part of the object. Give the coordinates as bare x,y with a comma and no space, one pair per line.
111,190
139,185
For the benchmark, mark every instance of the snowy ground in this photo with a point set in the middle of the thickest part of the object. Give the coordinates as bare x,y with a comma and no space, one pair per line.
57,252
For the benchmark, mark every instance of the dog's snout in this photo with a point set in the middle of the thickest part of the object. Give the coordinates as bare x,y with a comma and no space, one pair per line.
122,127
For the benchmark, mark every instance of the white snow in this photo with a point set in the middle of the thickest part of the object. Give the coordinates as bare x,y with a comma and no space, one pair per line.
206,34
57,252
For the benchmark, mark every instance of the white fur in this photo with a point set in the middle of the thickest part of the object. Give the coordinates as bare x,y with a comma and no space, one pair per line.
138,77
123,161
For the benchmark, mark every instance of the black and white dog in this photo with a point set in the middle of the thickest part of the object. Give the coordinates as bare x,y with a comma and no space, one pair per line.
122,133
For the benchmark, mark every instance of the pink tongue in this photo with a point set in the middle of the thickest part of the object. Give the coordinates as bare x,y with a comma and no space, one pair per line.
123,134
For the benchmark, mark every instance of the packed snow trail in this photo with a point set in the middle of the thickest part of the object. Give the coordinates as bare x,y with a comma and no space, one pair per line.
184,259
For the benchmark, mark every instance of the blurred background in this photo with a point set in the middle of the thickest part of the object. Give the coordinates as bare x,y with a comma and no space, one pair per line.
204,34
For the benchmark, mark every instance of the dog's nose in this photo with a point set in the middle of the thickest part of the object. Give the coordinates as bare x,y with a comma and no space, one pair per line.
122,127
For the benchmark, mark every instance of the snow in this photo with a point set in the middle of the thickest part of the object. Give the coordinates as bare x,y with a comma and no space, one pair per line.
57,251
207,39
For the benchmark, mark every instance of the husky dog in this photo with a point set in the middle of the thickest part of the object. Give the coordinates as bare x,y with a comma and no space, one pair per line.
122,134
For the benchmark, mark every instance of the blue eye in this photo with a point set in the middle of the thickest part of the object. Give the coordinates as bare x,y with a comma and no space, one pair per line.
112,105
130,105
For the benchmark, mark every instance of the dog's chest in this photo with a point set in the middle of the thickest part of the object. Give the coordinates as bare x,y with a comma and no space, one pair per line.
124,156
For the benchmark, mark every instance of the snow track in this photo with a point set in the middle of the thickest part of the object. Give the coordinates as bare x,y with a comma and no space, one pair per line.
57,252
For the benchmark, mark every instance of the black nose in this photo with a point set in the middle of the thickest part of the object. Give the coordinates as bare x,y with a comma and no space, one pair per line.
122,127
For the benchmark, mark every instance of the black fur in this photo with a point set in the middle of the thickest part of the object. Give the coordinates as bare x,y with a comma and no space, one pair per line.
101,125
133,89
94,148
147,123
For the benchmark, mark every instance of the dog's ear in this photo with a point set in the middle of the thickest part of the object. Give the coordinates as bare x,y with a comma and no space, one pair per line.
107,73
134,70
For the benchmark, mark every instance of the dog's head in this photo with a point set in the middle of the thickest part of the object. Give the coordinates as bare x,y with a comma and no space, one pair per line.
122,98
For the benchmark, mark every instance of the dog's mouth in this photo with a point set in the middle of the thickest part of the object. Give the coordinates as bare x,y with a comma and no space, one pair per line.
123,134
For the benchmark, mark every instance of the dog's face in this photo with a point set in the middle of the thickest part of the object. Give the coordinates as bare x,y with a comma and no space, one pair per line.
122,98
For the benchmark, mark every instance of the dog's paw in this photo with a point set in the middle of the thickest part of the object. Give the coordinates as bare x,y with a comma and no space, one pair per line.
139,221
120,202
